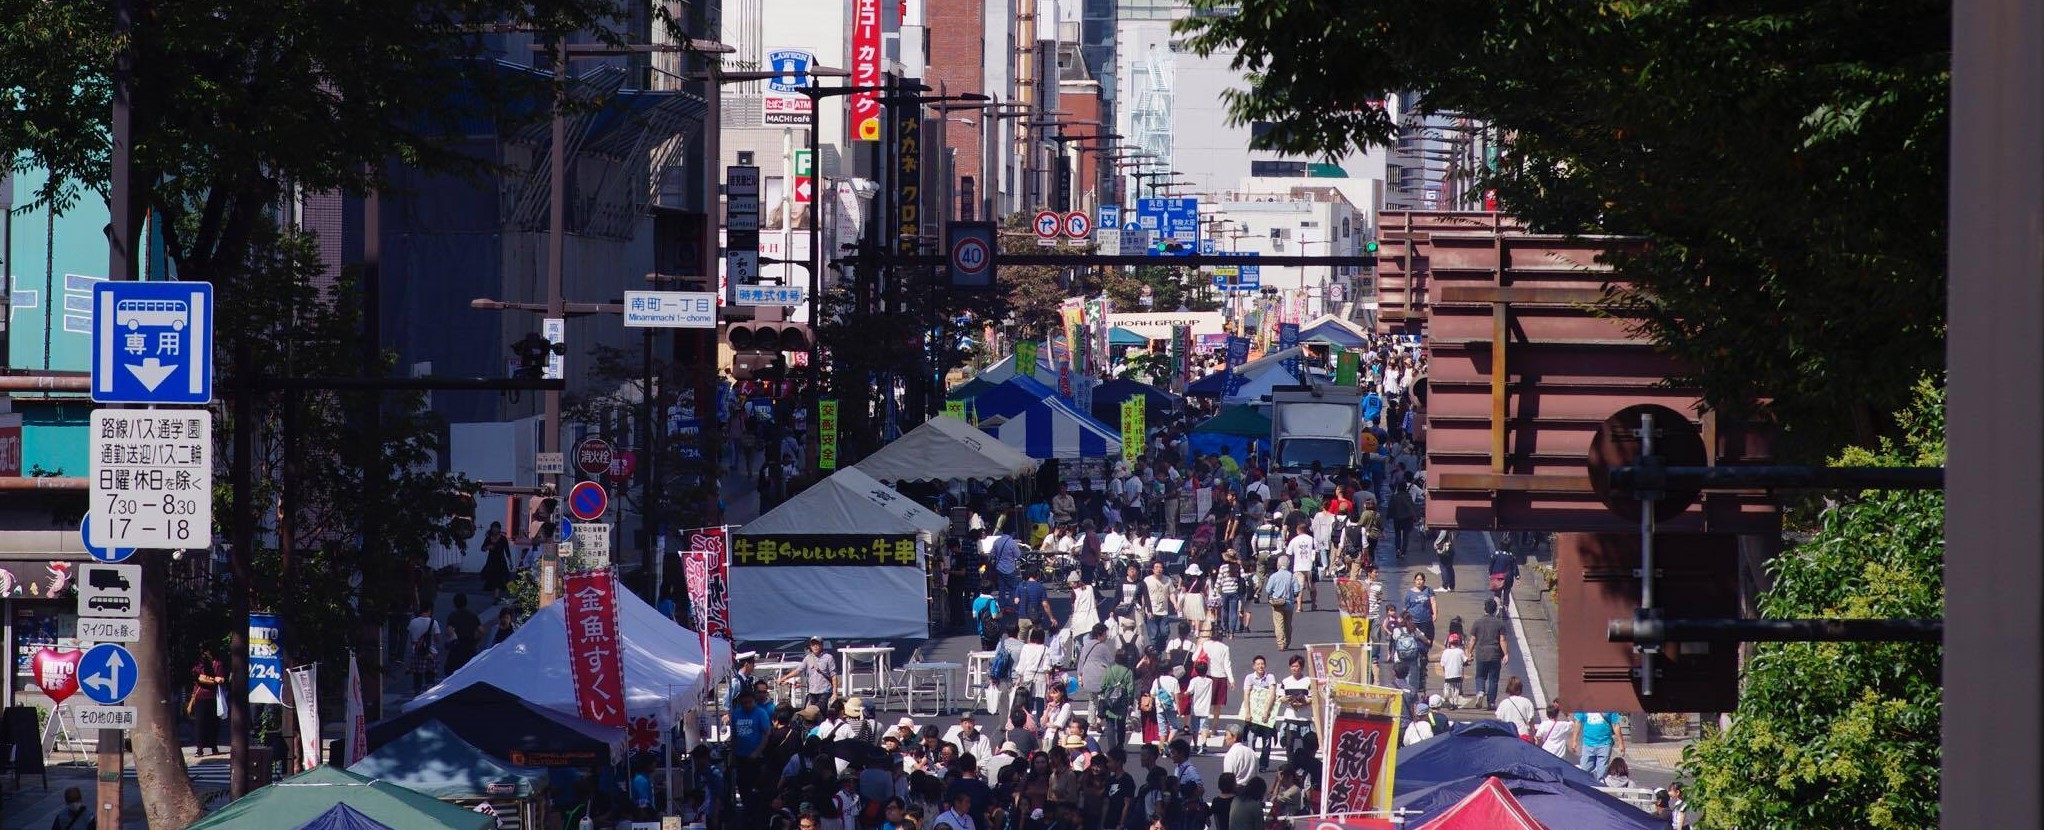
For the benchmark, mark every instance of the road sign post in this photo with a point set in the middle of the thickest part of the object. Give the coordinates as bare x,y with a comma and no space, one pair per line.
587,500
594,456
106,674
971,254
1046,225
109,590
1075,227
99,554
153,342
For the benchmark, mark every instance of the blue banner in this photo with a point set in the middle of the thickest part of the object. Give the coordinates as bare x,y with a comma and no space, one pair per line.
1291,335
1235,351
266,669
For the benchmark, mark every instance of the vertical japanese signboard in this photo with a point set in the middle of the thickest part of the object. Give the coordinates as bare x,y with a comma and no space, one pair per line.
266,667
1354,618
591,620
1025,361
1291,335
1348,369
1134,425
1235,351
1359,776
1180,345
829,435
865,109
709,544
910,164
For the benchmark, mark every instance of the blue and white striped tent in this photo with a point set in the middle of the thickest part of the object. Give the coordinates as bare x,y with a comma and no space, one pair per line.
1034,419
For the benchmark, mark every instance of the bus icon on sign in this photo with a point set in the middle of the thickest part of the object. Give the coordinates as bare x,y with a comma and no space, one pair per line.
136,313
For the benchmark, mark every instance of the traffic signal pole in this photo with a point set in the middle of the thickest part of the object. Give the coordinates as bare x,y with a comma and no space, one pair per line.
545,571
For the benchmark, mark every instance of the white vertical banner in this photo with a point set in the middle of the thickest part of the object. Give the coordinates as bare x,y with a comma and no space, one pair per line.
305,682
355,741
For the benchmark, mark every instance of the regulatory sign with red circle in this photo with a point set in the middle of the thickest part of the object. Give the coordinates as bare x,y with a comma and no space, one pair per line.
1076,225
587,501
1047,224
971,255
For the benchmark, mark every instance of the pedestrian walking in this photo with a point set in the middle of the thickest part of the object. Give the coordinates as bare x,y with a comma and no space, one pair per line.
1490,646
1448,580
497,561
1502,573
203,706
1281,596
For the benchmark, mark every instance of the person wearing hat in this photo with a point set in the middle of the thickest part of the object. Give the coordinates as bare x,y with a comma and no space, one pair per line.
1082,615
815,674
969,739
1420,726
1439,723
1006,755
743,678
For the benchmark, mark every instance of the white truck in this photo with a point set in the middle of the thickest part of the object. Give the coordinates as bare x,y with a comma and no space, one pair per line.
1316,426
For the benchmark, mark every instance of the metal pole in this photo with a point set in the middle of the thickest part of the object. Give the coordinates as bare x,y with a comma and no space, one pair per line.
815,257
1645,520
243,527
651,541
558,229
122,266
707,340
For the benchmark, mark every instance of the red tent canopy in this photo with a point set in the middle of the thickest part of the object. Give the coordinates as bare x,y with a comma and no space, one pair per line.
1491,807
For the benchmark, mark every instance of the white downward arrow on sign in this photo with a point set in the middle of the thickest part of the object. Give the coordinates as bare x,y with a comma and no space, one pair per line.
152,372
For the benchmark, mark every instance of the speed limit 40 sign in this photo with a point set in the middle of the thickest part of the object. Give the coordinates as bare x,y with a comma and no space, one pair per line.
971,254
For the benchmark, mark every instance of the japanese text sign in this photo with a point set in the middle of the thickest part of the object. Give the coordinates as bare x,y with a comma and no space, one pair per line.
865,122
824,549
829,435
591,620
1359,776
1133,426
709,545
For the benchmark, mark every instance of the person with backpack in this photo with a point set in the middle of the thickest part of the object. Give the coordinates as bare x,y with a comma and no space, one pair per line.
425,636
986,610
1502,573
1114,694
1410,647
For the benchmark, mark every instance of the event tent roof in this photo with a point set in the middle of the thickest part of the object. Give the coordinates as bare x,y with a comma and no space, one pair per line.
1545,794
666,669
1261,376
848,502
1105,400
507,726
341,817
1121,336
1042,370
1330,329
1490,807
1027,415
944,449
1472,749
969,389
307,798
1238,420
431,760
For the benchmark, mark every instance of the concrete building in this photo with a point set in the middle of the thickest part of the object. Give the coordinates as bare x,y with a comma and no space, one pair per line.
1305,219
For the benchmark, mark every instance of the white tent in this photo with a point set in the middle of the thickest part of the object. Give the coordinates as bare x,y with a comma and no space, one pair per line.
1262,375
1042,370
666,670
783,602
944,449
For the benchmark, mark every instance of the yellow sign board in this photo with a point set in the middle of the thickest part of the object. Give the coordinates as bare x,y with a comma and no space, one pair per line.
1134,426
829,435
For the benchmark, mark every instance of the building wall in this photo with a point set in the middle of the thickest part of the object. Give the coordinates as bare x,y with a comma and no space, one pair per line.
958,62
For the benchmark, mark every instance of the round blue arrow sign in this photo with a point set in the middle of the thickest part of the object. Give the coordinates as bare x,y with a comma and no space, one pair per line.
85,534
106,673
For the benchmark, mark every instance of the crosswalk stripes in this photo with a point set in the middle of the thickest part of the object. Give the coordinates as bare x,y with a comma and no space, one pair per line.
205,774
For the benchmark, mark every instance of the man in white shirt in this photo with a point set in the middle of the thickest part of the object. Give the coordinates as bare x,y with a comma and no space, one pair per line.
1302,556
1263,735
957,817
992,767
1239,760
1158,605
1257,495
969,740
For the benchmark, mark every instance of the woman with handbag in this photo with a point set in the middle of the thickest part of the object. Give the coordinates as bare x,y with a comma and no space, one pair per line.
204,706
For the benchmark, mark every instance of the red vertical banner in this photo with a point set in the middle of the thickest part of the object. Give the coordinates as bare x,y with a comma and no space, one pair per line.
591,618
1359,772
865,109
712,543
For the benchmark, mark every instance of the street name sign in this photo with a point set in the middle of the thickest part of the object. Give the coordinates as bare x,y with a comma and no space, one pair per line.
152,478
672,309
153,342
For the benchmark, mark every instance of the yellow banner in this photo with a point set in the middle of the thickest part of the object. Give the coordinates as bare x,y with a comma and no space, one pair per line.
1364,729
1025,361
1134,426
829,435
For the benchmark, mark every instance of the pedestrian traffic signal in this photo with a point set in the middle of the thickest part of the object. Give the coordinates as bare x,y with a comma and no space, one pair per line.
533,351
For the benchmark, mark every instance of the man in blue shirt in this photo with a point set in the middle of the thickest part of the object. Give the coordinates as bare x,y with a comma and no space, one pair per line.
1599,740
1032,602
1281,594
1004,553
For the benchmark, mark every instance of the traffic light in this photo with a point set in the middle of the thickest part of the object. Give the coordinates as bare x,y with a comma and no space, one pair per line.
533,352
1373,245
462,520
758,348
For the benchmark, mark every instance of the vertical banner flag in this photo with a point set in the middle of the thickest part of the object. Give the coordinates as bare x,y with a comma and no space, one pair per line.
695,580
1235,350
865,109
957,409
1348,369
1353,617
712,543
909,165
306,705
1291,334
1134,427
1180,346
355,735
591,618
1359,775
266,670
829,435
1025,361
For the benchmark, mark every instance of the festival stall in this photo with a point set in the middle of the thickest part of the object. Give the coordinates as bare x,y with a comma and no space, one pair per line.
843,558
1031,417
1472,749
1104,403
1232,430
432,761
1329,329
946,449
1042,369
1552,798
1491,807
507,726
309,800
666,670
1257,379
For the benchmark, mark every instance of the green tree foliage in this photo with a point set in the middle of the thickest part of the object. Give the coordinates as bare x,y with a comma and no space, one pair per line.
1034,292
1784,162
1844,735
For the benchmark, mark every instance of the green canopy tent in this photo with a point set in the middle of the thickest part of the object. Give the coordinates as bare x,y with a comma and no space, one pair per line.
1121,336
433,761
968,391
1232,430
309,795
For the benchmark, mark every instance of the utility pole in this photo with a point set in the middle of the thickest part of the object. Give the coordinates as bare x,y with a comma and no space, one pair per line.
547,569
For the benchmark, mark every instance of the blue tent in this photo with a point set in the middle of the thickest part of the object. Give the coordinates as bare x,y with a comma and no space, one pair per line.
1473,749
1109,395
1231,430
1037,421
1207,386
1331,330
1549,797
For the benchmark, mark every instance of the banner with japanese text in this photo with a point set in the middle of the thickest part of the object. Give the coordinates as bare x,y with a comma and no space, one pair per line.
829,435
957,410
1180,351
1025,361
709,544
1354,617
824,549
306,708
355,725
1359,748
1290,335
865,109
1235,353
1133,411
591,621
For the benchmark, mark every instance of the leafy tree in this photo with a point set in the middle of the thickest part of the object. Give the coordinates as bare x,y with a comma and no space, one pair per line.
1844,735
1779,159
1035,292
